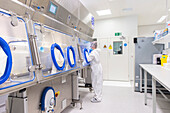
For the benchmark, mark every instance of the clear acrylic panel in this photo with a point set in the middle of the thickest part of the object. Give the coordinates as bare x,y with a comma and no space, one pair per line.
85,45
17,39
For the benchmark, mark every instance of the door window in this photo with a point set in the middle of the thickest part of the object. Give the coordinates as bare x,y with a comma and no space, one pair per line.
117,47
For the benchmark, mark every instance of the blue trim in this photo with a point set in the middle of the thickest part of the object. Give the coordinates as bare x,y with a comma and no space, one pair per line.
8,68
43,97
68,56
53,56
5,13
20,83
85,50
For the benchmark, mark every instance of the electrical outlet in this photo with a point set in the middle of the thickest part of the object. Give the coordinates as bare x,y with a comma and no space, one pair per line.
136,84
64,104
63,79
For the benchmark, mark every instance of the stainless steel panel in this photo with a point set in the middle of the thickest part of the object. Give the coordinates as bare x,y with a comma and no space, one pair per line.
85,16
58,21
41,80
84,73
83,28
88,79
34,94
12,6
63,13
19,105
71,5
75,89
83,36
76,8
16,88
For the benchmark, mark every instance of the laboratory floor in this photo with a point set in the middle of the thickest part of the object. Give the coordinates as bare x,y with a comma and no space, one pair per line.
117,99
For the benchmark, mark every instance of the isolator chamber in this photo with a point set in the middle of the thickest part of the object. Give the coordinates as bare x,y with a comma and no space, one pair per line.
57,50
15,54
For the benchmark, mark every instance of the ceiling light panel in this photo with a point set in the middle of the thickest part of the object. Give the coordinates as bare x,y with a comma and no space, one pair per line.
104,12
127,9
162,18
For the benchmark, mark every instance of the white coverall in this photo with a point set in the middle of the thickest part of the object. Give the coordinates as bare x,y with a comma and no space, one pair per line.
97,73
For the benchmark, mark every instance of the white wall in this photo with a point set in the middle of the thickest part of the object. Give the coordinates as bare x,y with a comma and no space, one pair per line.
107,27
129,28
147,30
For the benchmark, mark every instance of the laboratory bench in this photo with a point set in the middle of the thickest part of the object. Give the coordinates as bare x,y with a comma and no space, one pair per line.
159,74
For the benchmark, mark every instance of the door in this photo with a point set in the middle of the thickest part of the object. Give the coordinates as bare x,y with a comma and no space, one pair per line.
103,45
118,59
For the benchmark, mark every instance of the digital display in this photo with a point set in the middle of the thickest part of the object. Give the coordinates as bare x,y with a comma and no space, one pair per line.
53,8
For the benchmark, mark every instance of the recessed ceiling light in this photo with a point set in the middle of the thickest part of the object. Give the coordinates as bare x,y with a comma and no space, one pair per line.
127,9
162,18
112,0
104,12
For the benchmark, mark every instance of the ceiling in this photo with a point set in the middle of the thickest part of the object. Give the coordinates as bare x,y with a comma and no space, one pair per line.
148,11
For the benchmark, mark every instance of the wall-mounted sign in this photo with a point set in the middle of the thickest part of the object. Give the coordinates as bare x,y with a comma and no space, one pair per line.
104,46
125,44
110,47
118,34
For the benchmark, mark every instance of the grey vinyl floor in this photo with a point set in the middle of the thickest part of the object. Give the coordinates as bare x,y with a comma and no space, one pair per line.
118,100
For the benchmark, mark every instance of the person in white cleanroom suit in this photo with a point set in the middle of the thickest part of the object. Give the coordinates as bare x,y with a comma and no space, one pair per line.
97,73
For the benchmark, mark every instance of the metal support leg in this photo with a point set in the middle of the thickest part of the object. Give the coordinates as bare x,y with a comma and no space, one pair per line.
153,95
81,105
78,101
140,79
145,74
